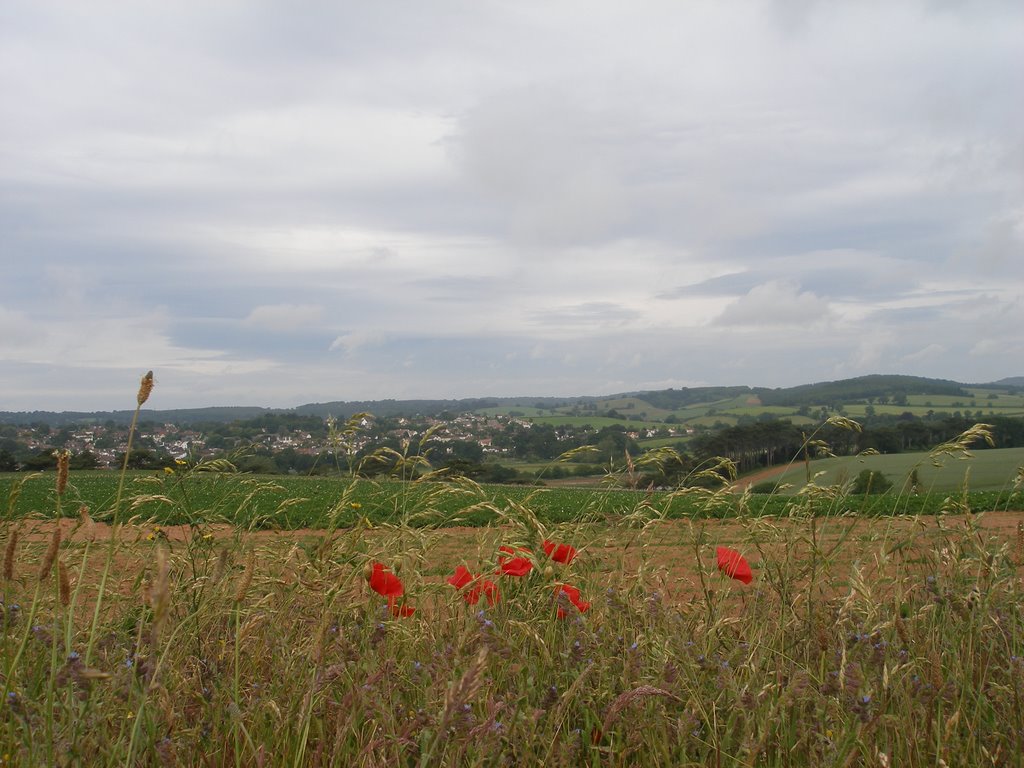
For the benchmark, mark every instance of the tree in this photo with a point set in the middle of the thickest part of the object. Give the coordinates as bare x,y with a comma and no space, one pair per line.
871,481
83,460
42,460
7,461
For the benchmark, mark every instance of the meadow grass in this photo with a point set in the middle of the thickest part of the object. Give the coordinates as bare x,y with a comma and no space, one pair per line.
894,640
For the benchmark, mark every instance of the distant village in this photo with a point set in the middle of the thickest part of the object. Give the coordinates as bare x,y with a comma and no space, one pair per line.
295,442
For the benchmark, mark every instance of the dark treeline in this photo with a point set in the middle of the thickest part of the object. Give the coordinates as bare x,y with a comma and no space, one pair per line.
861,388
769,443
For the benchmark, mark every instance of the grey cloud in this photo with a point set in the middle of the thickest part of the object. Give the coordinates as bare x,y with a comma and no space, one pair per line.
462,288
590,314
513,183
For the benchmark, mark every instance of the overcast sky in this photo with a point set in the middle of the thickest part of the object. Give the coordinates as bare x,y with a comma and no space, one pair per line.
274,203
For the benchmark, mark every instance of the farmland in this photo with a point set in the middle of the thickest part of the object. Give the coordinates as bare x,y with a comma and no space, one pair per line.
990,470
177,497
198,615
214,642
980,403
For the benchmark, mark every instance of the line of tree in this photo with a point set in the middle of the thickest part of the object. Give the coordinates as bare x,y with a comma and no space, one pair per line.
770,443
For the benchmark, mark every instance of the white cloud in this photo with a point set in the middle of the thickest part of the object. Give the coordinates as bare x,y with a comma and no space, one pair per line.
354,340
776,303
285,317
929,352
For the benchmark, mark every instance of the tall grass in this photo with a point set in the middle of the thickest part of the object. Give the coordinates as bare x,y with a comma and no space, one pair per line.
890,641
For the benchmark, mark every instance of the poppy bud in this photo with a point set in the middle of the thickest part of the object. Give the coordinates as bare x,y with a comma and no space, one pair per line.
396,565
549,572
368,571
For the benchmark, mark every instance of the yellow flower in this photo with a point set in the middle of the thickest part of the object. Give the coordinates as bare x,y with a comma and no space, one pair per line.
356,505
180,462
168,471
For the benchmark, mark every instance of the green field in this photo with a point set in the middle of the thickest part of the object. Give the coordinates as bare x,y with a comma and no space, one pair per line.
988,470
289,502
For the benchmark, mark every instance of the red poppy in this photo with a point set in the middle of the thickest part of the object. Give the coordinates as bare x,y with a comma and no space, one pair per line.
463,578
399,610
385,583
514,566
732,563
560,553
489,590
573,596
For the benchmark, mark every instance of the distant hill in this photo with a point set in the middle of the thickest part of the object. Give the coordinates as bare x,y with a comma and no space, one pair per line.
172,416
861,388
1017,382
343,409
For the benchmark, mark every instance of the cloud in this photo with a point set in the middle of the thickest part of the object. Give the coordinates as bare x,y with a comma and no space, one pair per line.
18,330
929,352
358,339
498,199
286,318
778,303
595,314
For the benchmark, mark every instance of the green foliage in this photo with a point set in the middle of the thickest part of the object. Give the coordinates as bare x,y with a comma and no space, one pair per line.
870,481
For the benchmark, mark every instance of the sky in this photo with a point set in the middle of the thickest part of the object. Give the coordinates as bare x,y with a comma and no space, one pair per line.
274,204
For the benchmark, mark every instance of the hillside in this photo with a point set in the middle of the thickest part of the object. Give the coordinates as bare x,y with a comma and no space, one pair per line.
672,405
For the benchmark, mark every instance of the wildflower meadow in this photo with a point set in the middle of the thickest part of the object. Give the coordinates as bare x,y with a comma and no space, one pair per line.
809,636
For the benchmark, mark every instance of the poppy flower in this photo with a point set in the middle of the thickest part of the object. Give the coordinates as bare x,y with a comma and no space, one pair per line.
573,596
733,564
487,588
560,553
463,578
514,566
384,582
399,610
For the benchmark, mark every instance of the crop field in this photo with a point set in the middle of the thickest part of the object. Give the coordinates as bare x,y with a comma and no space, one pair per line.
992,470
197,616
551,635
290,502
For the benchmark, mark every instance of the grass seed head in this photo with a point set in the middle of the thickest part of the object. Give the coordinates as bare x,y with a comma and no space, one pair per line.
935,670
64,583
145,387
220,567
901,630
51,554
9,550
462,692
63,462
